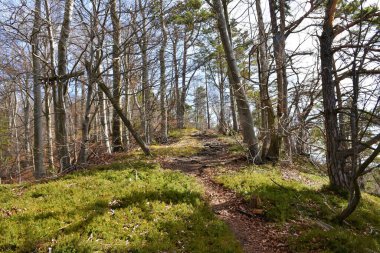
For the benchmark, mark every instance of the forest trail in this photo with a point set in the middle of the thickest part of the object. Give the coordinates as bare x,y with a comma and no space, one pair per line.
253,231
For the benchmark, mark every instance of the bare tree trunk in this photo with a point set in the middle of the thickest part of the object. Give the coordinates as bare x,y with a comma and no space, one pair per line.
38,147
222,120
163,110
62,85
49,134
278,33
233,109
50,147
125,120
103,121
14,134
182,97
245,116
27,122
207,103
335,163
146,119
127,97
83,154
92,69
232,95
176,78
116,126
270,141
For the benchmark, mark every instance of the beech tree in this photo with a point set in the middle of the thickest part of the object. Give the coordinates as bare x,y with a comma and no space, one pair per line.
38,128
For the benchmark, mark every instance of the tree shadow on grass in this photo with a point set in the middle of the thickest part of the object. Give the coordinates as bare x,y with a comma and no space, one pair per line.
185,232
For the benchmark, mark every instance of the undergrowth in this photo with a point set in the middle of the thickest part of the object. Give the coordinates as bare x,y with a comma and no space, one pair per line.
305,199
124,207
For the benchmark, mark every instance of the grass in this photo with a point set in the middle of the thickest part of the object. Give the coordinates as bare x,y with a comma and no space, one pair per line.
180,133
123,207
235,144
186,146
307,201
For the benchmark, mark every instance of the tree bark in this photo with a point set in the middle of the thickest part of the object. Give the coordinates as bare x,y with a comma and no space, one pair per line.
127,97
163,110
222,119
207,103
38,147
83,154
146,91
125,120
335,163
181,100
278,33
103,121
245,116
60,110
270,139
117,144
47,90
177,95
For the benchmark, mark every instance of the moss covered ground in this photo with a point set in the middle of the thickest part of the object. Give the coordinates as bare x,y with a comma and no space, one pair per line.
304,202
127,206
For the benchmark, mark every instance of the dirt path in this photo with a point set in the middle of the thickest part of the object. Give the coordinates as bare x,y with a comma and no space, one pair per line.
253,231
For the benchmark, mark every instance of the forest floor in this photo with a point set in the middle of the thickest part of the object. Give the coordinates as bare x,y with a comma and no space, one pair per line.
274,207
197,193
251,228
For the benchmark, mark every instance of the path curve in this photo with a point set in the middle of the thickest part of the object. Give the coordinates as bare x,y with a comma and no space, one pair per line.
253,231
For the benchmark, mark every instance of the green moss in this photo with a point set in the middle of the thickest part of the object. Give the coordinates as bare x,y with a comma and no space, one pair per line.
179,133
185,147
235,145
335,240
306,199
283,199
123,207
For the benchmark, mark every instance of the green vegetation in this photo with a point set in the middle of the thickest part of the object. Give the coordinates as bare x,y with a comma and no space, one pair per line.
124,207
299,196
235,145
180,133
133,205
185,147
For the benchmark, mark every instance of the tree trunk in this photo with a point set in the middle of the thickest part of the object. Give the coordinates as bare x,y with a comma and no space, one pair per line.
222,120
182,98
117,144
49,134
146,117
177,95
163,111
83,154
38,147
335,163
125,120
60,110
232,96
278,33
103,121
207,103
233,109
270,140
245,116
27,120
47,90
127,96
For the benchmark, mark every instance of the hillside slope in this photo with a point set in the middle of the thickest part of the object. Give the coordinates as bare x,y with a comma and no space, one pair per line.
197,194
124,207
